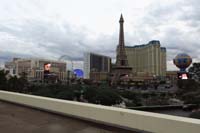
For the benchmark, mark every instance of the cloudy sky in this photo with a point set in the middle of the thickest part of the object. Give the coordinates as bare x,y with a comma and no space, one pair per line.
52,28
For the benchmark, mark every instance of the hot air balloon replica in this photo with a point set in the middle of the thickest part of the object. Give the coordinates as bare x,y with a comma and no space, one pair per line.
182,61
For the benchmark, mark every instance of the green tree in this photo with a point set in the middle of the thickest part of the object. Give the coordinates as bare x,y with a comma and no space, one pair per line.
100,95
134,97
195,71
3,79
67,94
13,84
189,91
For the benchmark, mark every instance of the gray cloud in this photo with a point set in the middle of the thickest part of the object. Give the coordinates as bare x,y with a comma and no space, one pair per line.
42,34
176,25
49,40
190,10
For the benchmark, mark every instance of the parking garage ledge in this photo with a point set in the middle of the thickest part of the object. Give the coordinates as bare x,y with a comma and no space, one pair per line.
111,116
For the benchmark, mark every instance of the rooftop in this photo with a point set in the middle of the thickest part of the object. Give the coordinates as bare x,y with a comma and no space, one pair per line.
151,43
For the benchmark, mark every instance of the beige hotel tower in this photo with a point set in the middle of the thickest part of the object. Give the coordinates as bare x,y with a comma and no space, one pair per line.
148,60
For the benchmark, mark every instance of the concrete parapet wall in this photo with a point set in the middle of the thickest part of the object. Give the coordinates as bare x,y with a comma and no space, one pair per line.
123,118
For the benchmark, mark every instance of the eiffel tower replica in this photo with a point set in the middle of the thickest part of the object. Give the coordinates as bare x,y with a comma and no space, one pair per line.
121,68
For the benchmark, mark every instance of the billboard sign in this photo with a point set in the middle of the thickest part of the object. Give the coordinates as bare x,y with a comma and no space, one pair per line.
182,75
47,68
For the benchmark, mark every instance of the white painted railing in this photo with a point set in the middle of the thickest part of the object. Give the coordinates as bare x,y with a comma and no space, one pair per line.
122,118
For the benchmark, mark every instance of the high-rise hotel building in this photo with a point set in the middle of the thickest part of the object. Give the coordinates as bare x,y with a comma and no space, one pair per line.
96,67
148,59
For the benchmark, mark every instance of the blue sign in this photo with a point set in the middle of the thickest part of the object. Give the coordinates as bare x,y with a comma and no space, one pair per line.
79,73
